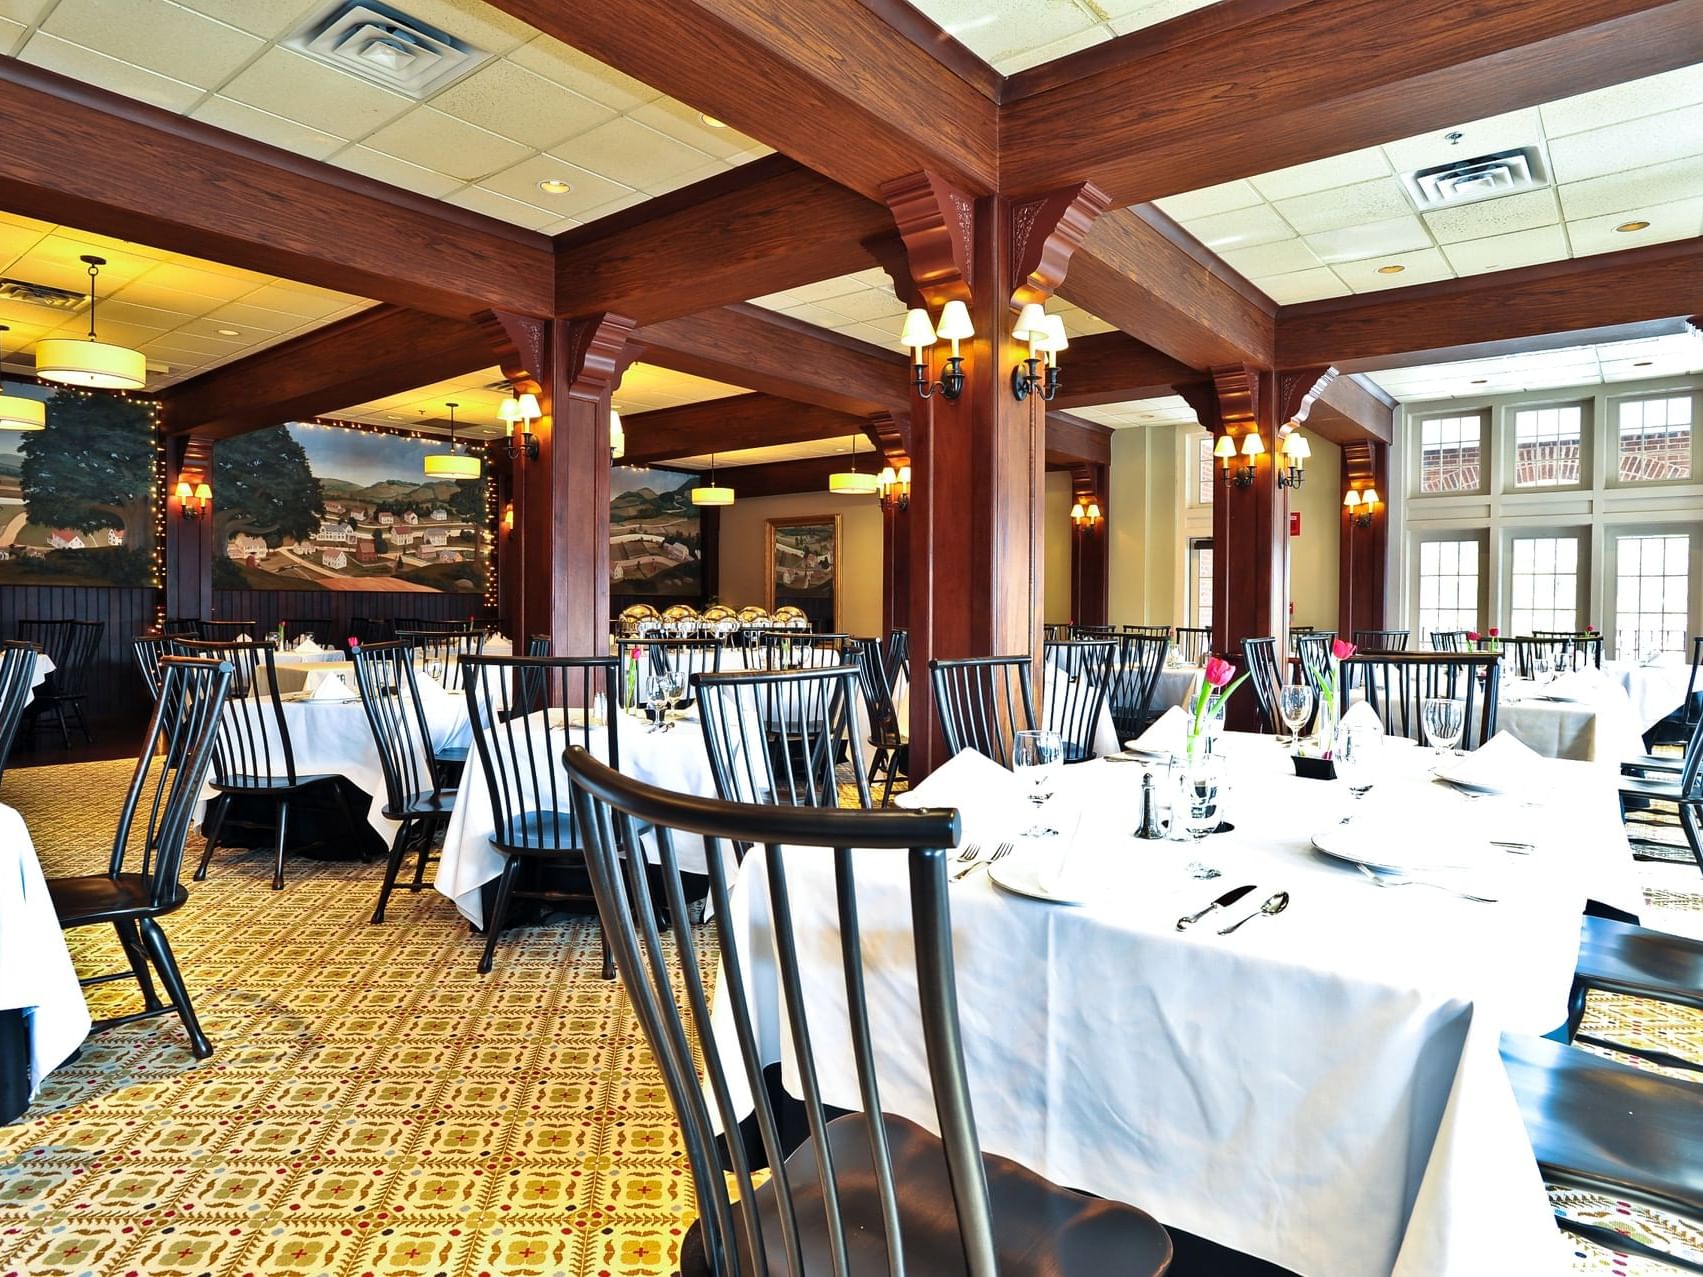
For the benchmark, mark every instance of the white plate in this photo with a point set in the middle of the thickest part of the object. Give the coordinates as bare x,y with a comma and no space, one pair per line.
1361,847
1023,874
1135,747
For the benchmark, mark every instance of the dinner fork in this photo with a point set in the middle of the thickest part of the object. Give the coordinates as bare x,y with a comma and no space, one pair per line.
970,852
999,853
1383,880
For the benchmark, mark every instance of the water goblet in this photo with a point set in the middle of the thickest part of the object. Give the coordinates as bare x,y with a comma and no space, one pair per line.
673,687
1038,757
1294,705
1444,721
1354,753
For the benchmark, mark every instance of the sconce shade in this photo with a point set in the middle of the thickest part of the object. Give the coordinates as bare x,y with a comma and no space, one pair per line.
918,332
203,492
1077,512
1351,500
1093,509
889,476
1052,336
509,410
1296,447
955,322
184,491
1225,447
1031,323
617,436
96,364
1369,497
1252,444
19,413
527,407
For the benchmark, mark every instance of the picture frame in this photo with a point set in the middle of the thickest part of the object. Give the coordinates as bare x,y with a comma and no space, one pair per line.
803,567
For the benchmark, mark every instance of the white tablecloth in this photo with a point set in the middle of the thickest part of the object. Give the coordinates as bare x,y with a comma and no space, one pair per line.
306,676
1595,723
43,667
36,975
1654,690
1321,1089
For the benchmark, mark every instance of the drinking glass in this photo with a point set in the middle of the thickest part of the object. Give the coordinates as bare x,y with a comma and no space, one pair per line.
1354,755
1294,704
1444,721
1200,793
1038,757
673,686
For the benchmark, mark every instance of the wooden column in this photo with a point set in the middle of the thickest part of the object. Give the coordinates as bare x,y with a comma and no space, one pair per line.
1090,547
189,542
1361,589
977,461
521,346
891,433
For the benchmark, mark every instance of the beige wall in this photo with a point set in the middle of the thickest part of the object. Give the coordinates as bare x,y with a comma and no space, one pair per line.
1055,554
1313,578
1146,526
744,542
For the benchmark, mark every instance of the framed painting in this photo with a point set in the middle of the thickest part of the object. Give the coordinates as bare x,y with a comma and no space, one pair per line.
804,567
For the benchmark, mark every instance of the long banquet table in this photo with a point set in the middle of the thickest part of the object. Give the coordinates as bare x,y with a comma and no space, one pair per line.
1321,1089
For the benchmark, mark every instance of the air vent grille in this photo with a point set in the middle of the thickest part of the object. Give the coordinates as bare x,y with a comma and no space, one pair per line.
21,290
1481,178
386,47
503,387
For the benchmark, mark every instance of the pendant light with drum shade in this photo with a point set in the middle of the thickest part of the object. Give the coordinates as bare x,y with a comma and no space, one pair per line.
854,483
710,493
453,464
18,412
95,364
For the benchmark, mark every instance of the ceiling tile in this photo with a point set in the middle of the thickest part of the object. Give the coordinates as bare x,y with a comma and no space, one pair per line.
826,289
1626,101
1342,206
1634,144
1419,268
478,23
110,73
306,303
567,66
590,190
165,38
11,33
1073,43
143,317
872,306
1323,175
24,11
631,154
240,315
1508,252
265,18
1133,15
493,205
399,173
823,316
626,201
1680,219
444,144
1370,239
683,124
54,261
1279,257
1523,212
1627,192
17,240
997,29
1224,198
685,177
313,94
1242,228
263,126
1479,137
522,105
1303,286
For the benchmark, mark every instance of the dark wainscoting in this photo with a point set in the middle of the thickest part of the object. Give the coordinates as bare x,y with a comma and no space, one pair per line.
268,607
115,691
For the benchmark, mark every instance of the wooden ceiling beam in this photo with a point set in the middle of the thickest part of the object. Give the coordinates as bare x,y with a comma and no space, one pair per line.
1073,440
379,352
777,478
1248,86
730,425
1116,368
74,154
1575,302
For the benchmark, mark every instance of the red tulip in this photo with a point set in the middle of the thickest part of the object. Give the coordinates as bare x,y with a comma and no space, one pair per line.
353,641
1495,633
1472,636
1341,651
1219,671
1590,629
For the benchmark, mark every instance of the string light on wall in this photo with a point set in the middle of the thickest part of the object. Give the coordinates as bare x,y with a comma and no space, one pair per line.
1046,337
895,488
19,412
711,494
491,593
919,334
453,463
93,363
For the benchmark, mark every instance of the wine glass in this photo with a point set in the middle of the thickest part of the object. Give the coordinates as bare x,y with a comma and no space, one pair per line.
673,688
1294,704
1038,757
1444,721
1354,754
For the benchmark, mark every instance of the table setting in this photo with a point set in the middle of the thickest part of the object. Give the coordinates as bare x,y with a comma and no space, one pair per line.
1584,714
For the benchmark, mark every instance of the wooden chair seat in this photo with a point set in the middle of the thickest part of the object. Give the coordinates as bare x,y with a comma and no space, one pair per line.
1633,961
425,803
1651,788
539,833
81,902
1040,1229
251,784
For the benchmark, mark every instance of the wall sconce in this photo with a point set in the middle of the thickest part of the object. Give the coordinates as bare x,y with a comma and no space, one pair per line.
1085,516
1295,452
896,488
522,407
919,334
1241,476
1046,337
193,499
1361,506
617,436
508,516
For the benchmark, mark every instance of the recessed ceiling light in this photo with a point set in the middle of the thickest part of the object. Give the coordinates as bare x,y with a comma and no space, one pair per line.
1633,226
555,186
1391,270
229,332
712,121
395,416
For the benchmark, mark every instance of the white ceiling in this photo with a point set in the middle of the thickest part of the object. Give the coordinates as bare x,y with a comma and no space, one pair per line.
185,314
864,306
866,456
538,110
1165,410
1671,356
1633,152
643,388
1014,34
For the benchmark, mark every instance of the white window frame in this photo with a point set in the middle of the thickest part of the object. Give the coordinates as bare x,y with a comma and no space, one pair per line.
1422,630
1486,448
1509,444
1582,572
1612,440
1196,545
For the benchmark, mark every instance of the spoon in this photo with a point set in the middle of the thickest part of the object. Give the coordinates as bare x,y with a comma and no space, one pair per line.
1274,904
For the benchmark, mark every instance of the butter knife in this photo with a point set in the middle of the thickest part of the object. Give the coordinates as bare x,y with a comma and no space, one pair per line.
1223,902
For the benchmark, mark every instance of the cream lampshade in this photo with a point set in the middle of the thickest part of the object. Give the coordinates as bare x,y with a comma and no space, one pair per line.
617,436
96,364
19,413
451,464
955,325
1053,337
1225,448
1296,448
1351,500
853,483
918,333
1031,323
527,406
711,493
1252,444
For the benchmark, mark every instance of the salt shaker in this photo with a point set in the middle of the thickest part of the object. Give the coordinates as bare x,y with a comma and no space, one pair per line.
1150,826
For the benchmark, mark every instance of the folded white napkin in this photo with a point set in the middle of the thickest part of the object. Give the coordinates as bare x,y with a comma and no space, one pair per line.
331,688
245,638
979,788
499,641
1169,733
1502,763
1360,714
1579,685
305,646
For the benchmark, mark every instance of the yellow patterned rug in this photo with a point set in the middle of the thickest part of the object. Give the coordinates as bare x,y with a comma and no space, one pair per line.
375,1106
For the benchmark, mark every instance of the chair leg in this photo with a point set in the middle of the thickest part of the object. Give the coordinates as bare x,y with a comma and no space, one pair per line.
499,913
283,826
131,940
82,723
215,821
348,813
160,950
425,851
1688,822
608,956
398,848
64,731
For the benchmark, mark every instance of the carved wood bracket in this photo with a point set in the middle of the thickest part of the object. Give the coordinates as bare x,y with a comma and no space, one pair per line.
1045,231
520,346
1360,463
1084,483
891,433
1299,389
595,352
937,222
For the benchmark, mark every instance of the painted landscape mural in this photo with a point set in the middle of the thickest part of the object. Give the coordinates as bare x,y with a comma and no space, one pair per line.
75,498
320,507
655,534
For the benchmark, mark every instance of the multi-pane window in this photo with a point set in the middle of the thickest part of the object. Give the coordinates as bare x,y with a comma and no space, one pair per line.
1547,446
1652,593
1448,585
1200,581
1203,470
1450,454
1545,584
1655,439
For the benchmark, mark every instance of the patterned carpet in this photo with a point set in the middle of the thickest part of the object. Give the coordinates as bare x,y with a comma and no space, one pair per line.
377,1107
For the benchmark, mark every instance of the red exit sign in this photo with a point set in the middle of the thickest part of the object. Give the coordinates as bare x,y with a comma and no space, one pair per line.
1294,523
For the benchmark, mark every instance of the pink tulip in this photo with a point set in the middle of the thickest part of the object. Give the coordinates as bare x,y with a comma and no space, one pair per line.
353,641
1495,633
1472,636
1219,671
1341,651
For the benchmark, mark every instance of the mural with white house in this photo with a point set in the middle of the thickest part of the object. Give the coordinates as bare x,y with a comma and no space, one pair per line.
323,507
655,534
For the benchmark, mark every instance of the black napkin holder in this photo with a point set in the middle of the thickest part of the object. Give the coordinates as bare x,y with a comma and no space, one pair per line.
1314,768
